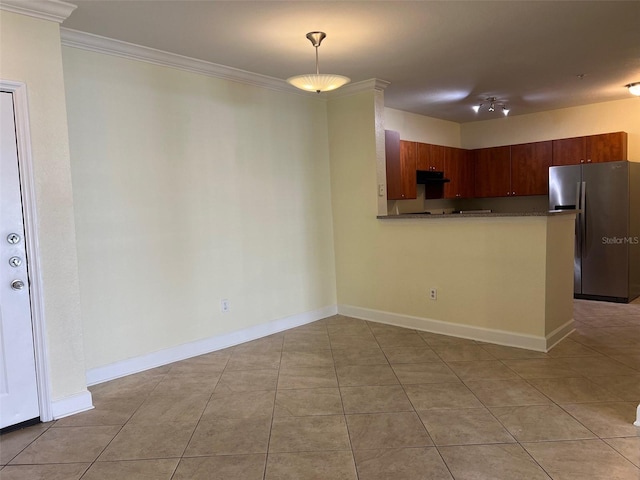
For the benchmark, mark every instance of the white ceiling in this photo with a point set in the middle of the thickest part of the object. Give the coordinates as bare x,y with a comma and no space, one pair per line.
441,57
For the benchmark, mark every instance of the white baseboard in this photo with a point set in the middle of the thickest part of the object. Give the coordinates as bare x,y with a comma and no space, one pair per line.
560,333
200,347
76,403
637,422
500,337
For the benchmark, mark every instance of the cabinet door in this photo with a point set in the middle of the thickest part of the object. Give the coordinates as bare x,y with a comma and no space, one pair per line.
459,169
493,172
607,147
401,167
569,151
430,157
530,164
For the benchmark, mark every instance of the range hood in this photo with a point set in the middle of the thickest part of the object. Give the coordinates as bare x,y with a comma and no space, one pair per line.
430,177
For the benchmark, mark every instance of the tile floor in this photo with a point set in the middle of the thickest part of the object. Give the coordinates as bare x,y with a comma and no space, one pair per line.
347,399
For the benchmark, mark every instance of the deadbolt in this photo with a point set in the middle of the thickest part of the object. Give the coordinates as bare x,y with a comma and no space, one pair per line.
13,238
17,284
15,261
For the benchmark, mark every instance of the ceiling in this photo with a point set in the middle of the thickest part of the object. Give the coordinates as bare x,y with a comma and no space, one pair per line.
440,57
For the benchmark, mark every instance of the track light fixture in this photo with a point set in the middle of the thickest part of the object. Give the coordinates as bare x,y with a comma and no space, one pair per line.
634,88
316,82
492,102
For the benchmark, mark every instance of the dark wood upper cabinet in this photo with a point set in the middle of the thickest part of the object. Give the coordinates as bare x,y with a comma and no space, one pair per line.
459,168
401,167
430,157
493,171
530,164
605,147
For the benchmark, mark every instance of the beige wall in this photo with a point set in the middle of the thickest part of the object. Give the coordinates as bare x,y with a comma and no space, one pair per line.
418,128
30,53
621,115
190,189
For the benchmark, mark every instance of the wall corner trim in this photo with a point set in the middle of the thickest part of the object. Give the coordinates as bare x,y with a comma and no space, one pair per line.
76,403
52,10
201,347
500,337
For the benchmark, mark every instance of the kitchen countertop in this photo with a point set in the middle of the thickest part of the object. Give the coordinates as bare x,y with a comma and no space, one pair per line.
548,213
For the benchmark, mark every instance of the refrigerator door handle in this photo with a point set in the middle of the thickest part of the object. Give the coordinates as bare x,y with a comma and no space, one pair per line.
583,206
578,218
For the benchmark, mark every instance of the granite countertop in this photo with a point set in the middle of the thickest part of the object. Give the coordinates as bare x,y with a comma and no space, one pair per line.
548,213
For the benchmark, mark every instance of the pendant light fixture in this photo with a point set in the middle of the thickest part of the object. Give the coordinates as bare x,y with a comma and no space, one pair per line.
317,82
634,88
492,102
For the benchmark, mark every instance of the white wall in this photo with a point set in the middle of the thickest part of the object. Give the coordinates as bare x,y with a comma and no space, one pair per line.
190,189
30,53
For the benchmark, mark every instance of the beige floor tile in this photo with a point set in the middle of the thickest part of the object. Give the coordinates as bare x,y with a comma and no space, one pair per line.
441,395
461,353
308,401
140,384
158,409
305,342
507,392
359,341
270,344
408,339
573,390
597,366
68,471
352,329
410,355
106,411
570,348
627,447
482,370
540,368
537,423
384,328
156,469
401,464
357,375
311,358
630,360
240,405
214,361
177,384
252,360
511,353
374,399
12,443
230,436
625,387
344,320
464,427
311,466
612,419
367,355
308,434
387,430
68,445
307,377
236,381
222,467
491,462
139,442
434,372
582,459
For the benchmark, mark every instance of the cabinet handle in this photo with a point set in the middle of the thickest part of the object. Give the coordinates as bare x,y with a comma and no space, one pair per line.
581,160
588,160
513,193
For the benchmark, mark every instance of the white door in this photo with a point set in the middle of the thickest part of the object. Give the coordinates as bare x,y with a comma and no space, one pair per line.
18,386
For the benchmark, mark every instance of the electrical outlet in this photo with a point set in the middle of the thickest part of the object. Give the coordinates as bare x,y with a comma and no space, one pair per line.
433,293
381,190
224,305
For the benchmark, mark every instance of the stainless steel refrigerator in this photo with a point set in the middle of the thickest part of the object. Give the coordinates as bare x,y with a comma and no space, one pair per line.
607,243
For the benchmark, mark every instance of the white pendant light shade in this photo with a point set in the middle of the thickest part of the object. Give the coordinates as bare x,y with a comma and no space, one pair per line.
318,82
634,88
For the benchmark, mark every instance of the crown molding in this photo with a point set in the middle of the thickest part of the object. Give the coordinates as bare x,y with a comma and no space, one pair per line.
109,46
358,87
52,10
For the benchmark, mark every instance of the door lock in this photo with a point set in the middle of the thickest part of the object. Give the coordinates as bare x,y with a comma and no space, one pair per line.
15,262
17,284
13,238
